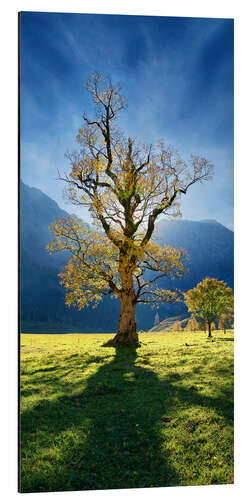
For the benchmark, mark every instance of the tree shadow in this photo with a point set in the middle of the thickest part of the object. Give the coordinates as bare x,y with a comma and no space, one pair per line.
118,419
123,449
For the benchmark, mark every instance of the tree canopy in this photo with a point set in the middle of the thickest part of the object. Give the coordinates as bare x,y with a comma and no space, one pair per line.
126,187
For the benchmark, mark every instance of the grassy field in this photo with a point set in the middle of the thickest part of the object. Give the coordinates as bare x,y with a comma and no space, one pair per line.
101,418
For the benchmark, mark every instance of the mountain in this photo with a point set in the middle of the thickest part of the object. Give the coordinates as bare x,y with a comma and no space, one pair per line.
209,244
210,247
42,298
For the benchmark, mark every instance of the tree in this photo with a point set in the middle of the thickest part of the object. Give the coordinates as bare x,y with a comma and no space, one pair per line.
93,271
126,187
226,319
192,325
177,327
213,326
208,301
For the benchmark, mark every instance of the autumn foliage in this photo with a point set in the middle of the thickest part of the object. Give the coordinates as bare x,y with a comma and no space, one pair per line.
208,301
126,187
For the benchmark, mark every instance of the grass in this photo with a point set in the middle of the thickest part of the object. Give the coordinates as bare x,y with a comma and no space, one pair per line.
102,418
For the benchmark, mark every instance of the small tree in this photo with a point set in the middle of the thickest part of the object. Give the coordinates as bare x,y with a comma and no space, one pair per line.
209,300
192,325
226,319
126,187
177,326
213,326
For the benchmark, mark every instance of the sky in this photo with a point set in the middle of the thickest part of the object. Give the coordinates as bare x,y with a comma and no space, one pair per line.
176,74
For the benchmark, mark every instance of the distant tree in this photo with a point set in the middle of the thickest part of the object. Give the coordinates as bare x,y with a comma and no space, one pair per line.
177,327
209,300
126,187
192,325
213,326
226,319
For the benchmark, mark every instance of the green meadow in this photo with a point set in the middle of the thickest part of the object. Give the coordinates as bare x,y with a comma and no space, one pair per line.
96,417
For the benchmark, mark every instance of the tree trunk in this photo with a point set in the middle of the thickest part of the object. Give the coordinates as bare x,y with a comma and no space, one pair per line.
209,330
126,331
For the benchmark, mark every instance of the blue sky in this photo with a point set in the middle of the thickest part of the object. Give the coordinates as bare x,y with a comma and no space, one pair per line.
176,74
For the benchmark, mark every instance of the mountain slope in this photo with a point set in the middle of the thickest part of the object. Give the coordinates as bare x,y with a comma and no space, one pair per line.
209,244
167,324
210,247
42,299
